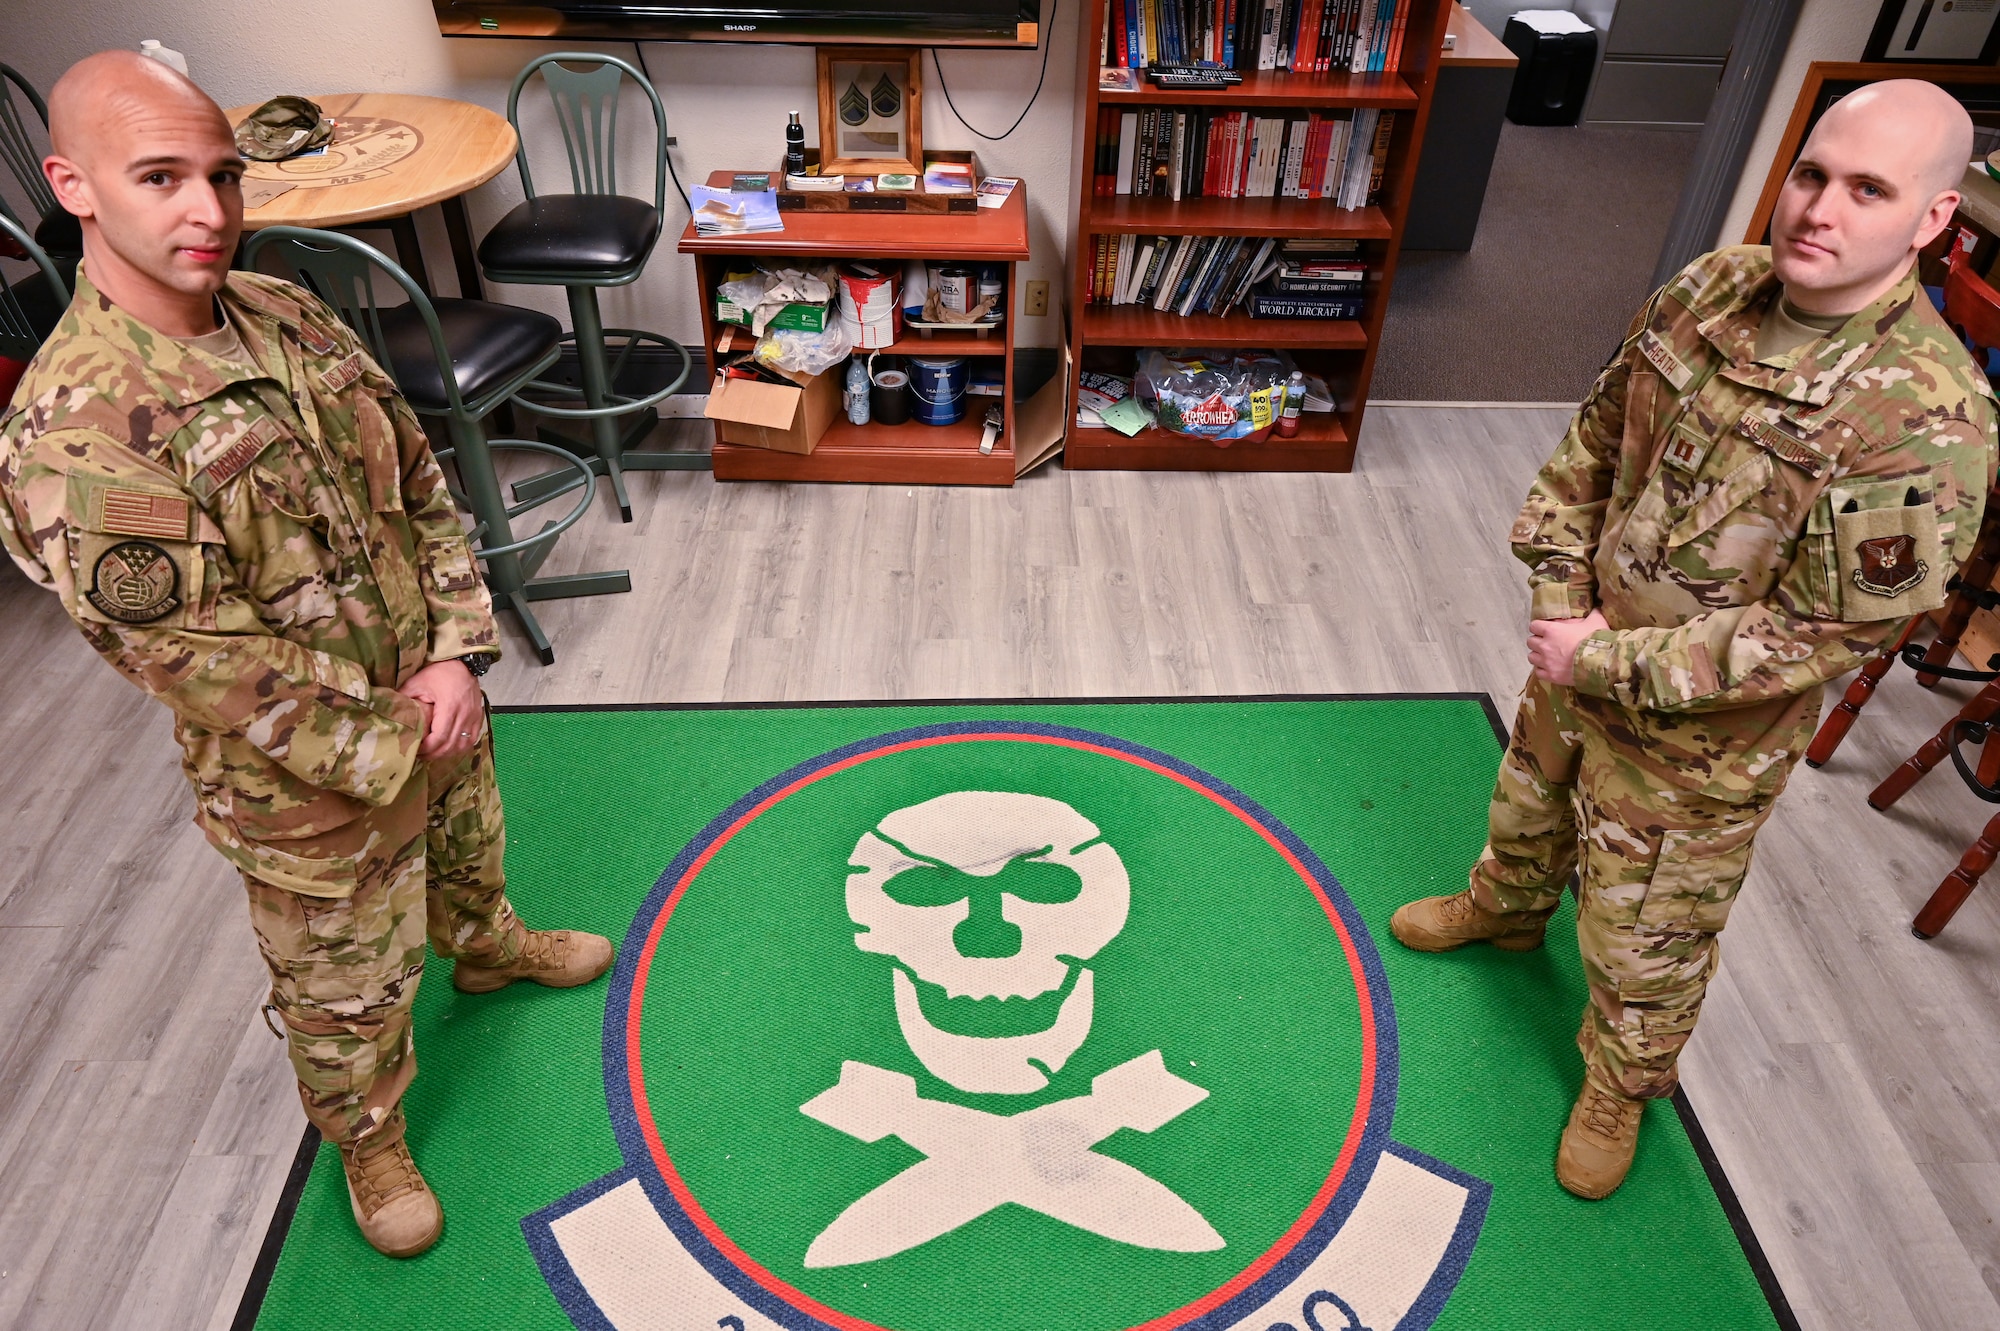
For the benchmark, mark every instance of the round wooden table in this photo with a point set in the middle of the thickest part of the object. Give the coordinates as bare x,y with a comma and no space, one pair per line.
391,154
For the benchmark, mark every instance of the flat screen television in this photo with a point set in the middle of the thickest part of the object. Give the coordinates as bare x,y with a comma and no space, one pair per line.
903,22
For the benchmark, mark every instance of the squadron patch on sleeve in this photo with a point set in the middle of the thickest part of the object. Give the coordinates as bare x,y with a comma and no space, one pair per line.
135,582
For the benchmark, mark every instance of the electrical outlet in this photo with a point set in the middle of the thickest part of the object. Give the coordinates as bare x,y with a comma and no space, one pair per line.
1038,299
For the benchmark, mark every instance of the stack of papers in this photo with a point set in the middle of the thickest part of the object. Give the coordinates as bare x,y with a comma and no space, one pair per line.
721,212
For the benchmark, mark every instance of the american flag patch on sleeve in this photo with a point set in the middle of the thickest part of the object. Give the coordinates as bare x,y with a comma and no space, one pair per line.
143,513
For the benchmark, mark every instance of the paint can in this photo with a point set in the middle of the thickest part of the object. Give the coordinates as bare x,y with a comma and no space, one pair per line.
888,395
868,309
937,385
955,287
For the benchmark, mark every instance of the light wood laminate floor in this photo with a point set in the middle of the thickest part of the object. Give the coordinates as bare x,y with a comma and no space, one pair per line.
1846,1072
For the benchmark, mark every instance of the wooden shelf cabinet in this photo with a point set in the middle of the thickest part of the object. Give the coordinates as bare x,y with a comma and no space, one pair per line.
910,453
1104,337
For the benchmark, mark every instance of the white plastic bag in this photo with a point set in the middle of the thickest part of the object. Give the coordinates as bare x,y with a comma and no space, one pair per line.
805,353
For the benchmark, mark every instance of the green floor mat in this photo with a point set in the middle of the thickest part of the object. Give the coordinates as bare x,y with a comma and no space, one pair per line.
1013,1017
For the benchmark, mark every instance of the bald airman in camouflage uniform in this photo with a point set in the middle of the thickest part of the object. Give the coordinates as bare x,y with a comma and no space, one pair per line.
249,525
1738,514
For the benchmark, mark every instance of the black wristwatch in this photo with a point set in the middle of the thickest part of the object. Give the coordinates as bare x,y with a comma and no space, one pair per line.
479,662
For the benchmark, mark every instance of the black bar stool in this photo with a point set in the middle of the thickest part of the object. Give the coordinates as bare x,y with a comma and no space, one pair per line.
594,237
459,359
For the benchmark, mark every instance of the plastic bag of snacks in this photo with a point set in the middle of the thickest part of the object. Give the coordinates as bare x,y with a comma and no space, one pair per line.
805,353
1220,396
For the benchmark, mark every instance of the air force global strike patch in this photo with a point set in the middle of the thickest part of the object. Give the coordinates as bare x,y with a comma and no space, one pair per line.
1012,1026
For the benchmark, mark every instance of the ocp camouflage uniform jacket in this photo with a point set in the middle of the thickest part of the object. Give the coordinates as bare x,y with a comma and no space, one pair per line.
270,553
1749,528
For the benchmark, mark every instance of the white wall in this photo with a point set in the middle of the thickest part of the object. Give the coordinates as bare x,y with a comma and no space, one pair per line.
726,104
1827,30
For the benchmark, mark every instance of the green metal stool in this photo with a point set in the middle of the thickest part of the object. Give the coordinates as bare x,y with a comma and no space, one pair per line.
59,234
29,306
461,360
590,238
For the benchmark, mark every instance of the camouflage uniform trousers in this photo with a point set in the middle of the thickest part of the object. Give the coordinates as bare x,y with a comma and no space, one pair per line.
344,971
1660,868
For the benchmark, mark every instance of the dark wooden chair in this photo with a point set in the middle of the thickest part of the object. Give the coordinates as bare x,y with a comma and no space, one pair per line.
1973,724
1972,308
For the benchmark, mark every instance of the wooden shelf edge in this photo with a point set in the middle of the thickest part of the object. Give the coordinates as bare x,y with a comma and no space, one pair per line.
907,454
1276,88
1130,326
1299,218
1081,453
947,344
867,465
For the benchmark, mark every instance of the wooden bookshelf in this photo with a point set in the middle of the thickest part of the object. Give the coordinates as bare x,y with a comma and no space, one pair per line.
1105,337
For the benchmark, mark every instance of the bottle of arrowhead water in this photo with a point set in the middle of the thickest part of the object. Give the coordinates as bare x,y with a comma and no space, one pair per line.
166,55
857,391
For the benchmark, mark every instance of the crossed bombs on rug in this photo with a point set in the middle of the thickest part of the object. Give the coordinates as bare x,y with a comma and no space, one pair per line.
1063,895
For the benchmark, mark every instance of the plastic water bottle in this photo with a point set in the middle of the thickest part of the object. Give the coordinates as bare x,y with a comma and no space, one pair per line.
857,391
166,55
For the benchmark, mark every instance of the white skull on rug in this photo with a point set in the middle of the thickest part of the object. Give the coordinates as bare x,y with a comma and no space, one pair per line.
918,895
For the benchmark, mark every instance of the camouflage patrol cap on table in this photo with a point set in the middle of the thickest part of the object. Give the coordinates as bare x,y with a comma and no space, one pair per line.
281,128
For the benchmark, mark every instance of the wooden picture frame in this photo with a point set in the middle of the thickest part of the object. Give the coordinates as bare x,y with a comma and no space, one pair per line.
1827,81
856,86
1927,32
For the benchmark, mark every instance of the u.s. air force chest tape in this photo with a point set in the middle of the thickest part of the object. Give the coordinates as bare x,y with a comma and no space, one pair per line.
1887,550
135,552
1122,1024
1785,445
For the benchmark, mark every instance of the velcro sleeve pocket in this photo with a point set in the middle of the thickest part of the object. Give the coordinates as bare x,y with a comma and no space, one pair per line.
1889,559
1528,523
447,563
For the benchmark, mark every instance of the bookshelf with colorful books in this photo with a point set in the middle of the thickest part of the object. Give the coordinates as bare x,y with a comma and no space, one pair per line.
1259,211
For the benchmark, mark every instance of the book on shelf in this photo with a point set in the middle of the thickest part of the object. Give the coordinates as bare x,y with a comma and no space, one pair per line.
1292,36
1172,153
1190,275
1266,302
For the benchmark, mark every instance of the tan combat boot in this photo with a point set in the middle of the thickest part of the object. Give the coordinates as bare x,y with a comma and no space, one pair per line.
558,958
1439,924
394,1208
1598,1144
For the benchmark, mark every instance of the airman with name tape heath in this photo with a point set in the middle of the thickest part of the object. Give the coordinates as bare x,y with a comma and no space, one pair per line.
243,517
1784,463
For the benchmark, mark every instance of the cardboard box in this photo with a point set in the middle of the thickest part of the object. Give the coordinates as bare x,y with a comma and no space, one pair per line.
784,417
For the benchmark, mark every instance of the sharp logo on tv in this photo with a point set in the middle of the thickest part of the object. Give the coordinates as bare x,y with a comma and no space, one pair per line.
931,1032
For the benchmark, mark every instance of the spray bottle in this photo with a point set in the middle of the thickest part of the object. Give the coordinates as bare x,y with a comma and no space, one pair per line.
165,55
